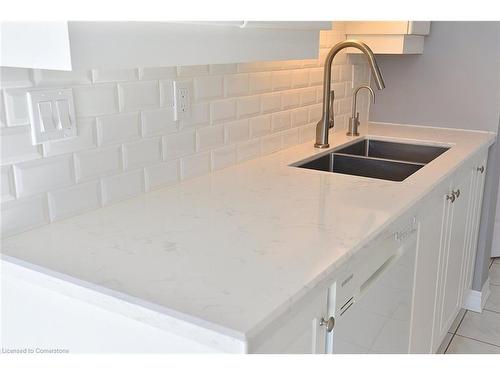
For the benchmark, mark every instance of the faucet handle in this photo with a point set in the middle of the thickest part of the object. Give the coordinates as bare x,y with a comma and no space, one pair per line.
331,113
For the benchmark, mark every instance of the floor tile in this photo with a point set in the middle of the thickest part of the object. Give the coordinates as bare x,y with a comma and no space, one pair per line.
444,345
495,274
483,327
493,302
457,321
464,345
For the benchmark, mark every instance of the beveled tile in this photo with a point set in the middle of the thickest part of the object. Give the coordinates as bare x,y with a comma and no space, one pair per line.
483,327
457,321
493,302
444,345
464,345
495,274
496,260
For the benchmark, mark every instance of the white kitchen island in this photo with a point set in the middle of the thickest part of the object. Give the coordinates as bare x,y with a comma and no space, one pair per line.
223,262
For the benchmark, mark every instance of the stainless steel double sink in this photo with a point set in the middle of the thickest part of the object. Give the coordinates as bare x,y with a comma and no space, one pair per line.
379,159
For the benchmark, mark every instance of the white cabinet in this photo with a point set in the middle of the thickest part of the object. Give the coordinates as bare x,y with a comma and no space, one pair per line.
84,45
300,333
389,37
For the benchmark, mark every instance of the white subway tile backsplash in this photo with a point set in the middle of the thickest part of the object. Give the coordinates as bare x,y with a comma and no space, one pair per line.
162,174
248,150
98,162
339,89
315,112
223,110
95,100
260,126
16,145
280,121
260,82
122,186
86,139
316,76
200,116
114,75
223,68
209,137
290,137
7,181
138,95
149,74
192,70
345,72
236,84
44,77
300,78
158,121
271,143
3,121
248,106
282,80
308,96
237,131
307,133
38,176
15,77
208,87
290,99
224,157
24,214
141,153
299,117
74,200
179,144
16,107
271,102
195,165
118,128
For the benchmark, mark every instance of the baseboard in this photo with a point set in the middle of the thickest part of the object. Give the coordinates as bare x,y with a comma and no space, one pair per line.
475,300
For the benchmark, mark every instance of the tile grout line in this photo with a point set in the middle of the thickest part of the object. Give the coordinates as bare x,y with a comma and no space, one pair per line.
483,342
492,311
455,332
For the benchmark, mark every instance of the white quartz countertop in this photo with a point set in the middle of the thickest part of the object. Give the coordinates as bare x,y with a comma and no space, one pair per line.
232,250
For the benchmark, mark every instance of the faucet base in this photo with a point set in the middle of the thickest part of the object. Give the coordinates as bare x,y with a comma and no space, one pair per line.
321,145
351,134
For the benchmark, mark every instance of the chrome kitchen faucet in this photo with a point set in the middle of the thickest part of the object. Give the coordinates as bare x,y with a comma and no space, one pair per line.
326,121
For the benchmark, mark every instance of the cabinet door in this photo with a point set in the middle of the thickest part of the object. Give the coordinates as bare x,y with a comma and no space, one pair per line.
453,252
426,272
297,332
478,171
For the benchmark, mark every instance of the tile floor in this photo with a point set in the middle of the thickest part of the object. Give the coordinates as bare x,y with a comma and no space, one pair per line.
474,333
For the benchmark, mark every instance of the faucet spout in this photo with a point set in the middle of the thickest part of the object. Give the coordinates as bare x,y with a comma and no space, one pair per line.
324,124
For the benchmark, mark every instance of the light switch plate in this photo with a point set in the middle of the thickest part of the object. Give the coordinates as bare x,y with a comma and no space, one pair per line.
52,115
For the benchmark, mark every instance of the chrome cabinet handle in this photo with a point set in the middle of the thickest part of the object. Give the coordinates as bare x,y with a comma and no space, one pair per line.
450,197
480,169
456,193
329,324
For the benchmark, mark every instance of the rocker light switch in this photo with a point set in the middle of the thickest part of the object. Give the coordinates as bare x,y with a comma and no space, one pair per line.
46,119
52,115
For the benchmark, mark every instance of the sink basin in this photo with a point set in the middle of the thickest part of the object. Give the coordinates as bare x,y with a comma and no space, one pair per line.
363,166
394,151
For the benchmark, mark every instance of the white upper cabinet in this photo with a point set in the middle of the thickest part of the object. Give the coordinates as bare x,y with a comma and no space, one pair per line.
85,45
390,37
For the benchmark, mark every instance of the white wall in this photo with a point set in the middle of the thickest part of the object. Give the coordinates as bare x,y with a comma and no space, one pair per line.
455,83
128,142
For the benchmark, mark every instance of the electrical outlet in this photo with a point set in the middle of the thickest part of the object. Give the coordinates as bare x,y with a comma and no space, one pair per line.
182,99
